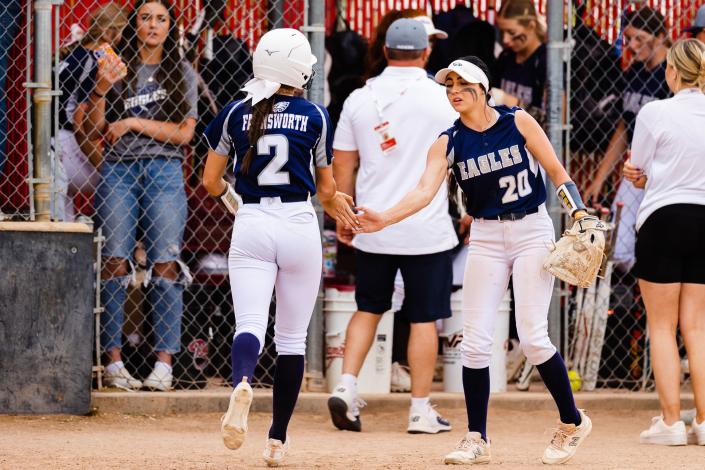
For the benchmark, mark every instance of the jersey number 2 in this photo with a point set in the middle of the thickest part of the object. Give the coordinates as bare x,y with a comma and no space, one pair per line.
519,184
271,174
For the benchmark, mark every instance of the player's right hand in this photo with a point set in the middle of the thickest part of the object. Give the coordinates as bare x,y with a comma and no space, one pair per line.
340,207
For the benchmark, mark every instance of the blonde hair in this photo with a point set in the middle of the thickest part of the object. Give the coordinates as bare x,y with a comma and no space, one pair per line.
687,56
105,17
524,12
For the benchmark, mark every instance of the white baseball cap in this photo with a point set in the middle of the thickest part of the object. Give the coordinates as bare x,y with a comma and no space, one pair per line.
430,28
471,73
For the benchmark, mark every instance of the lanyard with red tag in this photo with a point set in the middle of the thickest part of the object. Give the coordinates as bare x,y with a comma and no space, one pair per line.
387,141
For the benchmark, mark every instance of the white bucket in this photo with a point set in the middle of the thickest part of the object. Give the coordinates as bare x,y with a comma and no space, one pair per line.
452,336
376,372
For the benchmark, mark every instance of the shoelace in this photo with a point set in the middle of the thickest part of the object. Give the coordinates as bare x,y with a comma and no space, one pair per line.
559,438
358,403
470,444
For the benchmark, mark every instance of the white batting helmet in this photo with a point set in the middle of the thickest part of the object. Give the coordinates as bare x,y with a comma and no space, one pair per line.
284,56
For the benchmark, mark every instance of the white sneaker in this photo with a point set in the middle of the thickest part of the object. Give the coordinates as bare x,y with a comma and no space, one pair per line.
472,449
401,380
344,406
121,379
662,434
566,440
233,426
160,379
275,451
696,433
426,421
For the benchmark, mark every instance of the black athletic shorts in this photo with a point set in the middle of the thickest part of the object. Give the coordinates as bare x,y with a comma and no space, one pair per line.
670,245
427,284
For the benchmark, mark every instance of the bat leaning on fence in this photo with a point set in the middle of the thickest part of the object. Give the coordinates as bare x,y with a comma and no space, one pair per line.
601,310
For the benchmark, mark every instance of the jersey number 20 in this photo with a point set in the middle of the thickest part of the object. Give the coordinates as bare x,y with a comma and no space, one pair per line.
272,174
516,186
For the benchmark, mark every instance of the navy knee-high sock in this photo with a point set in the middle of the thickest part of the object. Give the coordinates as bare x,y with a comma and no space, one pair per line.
288,375
555,376
476,385
243,357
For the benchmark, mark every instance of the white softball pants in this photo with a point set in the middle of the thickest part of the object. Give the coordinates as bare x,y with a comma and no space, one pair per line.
275,245
496,251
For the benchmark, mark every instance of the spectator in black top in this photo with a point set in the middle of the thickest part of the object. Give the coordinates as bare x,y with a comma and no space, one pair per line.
521,67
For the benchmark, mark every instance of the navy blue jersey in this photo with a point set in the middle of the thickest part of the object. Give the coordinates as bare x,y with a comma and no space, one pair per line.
493,168
78,68
298,135
642,86
525,81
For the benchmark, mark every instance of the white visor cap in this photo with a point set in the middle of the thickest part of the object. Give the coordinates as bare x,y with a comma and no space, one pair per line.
471,73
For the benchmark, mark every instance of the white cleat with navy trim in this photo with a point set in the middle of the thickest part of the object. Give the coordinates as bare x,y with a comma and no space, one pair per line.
566,440
427,421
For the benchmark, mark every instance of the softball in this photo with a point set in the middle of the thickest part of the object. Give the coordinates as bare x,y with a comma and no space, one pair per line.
575,381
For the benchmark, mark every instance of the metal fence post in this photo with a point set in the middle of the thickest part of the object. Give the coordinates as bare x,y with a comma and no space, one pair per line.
315,344
554,114
42,97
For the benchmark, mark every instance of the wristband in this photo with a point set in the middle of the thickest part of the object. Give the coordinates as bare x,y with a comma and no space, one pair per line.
570,197
97,94
229,198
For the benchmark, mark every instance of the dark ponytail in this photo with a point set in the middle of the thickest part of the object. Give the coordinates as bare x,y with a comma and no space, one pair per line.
260,111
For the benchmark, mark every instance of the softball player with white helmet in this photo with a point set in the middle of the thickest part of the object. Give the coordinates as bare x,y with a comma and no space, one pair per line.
276,138
495,153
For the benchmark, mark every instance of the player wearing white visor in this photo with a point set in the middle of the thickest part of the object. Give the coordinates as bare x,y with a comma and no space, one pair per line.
494,153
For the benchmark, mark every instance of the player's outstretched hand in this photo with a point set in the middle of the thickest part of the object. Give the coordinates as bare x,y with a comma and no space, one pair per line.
340,208
370,220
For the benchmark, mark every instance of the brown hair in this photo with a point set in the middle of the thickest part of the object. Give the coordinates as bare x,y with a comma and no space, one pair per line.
524,12
375,61
171,68
260,111
104,18
687,56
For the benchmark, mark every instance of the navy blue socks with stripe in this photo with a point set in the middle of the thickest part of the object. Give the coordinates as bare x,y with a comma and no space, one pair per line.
288,375
243,357
476,385
555,376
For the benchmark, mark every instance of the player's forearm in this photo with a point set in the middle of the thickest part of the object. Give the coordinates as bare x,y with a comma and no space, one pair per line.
167,132
408,206
95,117
344,164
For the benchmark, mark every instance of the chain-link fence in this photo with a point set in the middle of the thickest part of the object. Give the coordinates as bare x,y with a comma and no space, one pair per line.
617,65
163,292
15,118
131,154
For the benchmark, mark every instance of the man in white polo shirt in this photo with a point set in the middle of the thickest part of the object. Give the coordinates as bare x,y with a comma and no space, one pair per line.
385,130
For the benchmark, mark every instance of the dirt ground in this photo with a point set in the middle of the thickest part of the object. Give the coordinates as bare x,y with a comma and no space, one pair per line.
193,442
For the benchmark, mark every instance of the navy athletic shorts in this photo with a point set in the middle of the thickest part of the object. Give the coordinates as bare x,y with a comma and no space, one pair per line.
427,278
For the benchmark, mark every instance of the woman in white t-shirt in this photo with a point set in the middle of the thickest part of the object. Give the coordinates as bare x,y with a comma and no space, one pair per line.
668,160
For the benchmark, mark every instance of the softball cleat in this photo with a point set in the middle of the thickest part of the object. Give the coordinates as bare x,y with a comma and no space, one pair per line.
233,426
275,451
566,440
471,450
